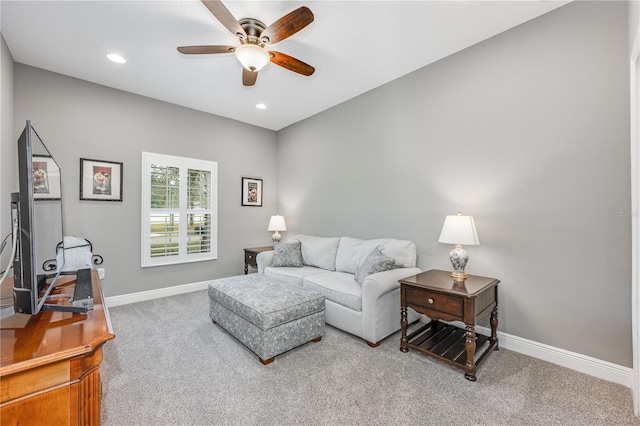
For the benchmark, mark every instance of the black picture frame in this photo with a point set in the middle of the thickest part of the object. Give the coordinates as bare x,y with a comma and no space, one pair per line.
251,192
46,178
100,180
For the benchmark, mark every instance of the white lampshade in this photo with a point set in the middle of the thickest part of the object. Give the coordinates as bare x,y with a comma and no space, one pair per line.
252,57
458,229
277,224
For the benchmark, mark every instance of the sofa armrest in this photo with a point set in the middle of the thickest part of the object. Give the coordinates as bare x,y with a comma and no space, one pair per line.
263,260
381,283
381,303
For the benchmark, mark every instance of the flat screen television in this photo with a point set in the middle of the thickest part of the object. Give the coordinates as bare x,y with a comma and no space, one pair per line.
37,219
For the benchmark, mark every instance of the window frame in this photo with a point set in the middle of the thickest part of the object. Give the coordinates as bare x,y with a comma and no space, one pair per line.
183,164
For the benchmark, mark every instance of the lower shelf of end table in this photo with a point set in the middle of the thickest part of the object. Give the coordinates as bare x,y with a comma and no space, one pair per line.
447,343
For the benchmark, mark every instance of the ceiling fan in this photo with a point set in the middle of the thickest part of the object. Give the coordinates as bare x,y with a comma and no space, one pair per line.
254,36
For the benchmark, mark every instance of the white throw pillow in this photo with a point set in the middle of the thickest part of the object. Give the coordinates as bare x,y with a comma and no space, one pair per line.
319,251
352,253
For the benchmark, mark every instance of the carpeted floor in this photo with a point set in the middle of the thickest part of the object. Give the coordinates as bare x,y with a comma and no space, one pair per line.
169,365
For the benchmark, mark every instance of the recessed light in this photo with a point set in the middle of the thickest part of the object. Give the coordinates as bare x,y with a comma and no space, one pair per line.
261,106
116,58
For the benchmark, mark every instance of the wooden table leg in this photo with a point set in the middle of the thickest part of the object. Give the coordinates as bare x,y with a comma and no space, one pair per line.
470,345
246,269
266,361
403,326
494,327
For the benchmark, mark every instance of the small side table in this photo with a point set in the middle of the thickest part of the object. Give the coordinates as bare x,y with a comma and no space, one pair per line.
436,295
250,255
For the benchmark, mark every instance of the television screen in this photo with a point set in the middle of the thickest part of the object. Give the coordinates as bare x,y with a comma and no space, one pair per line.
38,208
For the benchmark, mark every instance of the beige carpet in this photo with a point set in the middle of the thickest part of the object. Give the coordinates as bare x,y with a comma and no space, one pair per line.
169,365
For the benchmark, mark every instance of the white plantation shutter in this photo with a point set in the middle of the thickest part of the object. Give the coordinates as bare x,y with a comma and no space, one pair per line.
179,209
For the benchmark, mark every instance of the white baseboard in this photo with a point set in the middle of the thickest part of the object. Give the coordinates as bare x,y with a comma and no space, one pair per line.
126,299
585,364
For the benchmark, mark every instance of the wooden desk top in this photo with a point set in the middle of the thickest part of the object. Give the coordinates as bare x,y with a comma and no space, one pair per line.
442,282
256,250
28,341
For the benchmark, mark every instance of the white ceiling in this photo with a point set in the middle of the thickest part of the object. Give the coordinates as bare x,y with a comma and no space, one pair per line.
355,46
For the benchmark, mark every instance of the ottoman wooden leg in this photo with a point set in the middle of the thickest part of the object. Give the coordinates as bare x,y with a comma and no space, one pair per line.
317,339
266,361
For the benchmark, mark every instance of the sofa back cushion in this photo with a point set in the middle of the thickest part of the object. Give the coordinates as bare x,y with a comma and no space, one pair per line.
403,251
319,251
352,252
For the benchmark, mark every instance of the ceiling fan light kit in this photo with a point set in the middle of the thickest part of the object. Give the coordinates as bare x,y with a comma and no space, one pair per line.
252,57
253,36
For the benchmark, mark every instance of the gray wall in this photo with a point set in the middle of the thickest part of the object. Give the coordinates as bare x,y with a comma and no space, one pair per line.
77,120
634,21
8,150
529,133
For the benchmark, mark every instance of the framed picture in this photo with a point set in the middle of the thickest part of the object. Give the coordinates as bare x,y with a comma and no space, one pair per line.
46,178
251,192
100,180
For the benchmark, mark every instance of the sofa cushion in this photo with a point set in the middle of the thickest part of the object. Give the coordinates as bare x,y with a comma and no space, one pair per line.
352,252
292,275
403,251
287,254
339,287
319,251
375,262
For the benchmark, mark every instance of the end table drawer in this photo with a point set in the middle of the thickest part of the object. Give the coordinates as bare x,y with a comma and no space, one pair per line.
250,259
434,301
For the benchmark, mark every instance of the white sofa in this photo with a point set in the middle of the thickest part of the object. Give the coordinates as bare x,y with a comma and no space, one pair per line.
370,309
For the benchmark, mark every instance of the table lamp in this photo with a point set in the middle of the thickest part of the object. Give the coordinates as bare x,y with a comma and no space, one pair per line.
277,224
459,230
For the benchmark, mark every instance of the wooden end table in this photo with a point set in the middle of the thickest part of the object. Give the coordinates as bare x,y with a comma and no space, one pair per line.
250,255
436,295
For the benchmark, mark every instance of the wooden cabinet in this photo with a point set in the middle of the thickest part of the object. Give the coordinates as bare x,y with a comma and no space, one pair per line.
50,364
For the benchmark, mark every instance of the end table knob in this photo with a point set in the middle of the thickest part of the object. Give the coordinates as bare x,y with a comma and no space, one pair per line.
430,300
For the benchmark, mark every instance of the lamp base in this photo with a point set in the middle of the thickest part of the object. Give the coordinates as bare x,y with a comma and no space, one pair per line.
276,237
459,258
459,277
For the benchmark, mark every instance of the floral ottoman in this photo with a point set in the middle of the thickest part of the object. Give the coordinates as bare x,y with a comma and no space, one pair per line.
268,316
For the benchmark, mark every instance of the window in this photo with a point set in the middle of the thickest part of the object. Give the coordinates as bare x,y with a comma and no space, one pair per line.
179,210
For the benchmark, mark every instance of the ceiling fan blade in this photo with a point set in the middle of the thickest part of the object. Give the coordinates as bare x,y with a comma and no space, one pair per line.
249,77
291,63
287,26
225,17
203,50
